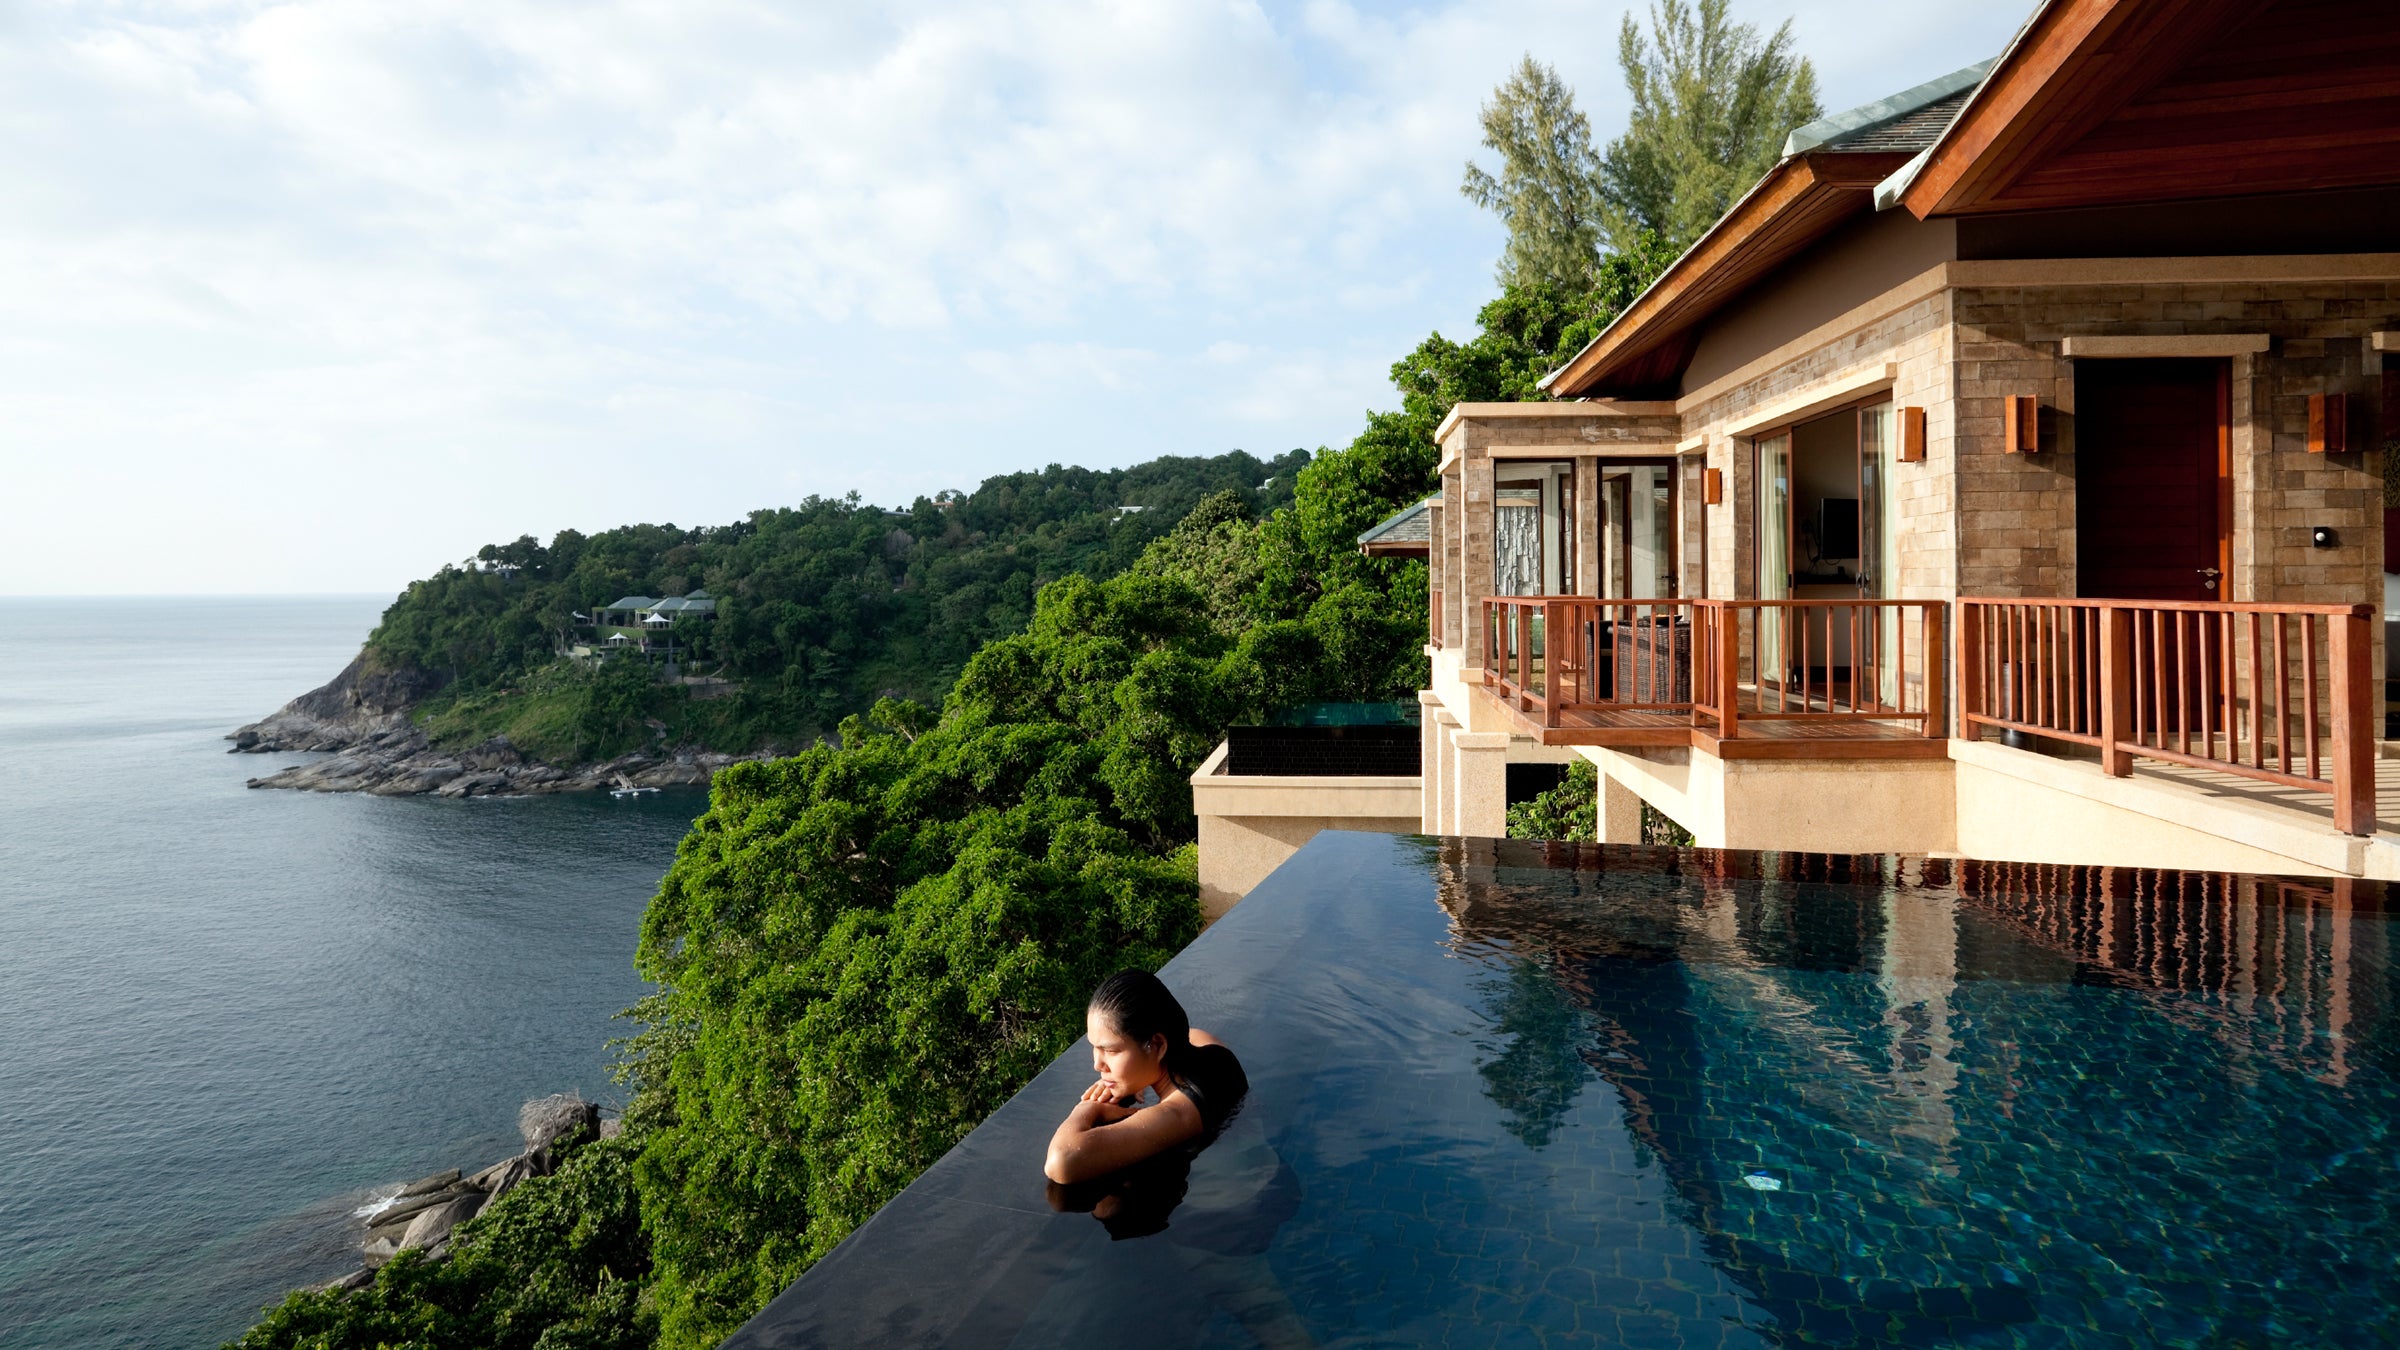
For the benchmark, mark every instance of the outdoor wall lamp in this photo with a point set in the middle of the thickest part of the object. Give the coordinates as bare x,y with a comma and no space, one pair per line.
2020,424
2323,537
2329,422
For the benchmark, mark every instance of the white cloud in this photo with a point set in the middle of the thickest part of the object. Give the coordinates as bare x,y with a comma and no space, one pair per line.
314,295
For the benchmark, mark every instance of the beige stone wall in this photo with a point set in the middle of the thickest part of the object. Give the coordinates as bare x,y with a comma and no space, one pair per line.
1580,433
1916,340
1475,552
1816,806
1587,428
1451,521
1238,852
2019,510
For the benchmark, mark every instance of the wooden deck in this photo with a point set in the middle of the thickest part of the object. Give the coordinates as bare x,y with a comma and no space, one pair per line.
1760,737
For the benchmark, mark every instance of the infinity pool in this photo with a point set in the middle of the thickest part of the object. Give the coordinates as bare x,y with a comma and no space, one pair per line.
1551,1095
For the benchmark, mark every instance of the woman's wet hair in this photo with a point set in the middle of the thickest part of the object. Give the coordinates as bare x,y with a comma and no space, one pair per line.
1138,1005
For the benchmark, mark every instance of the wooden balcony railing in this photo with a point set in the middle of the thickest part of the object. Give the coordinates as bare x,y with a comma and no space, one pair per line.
1827,668
2279,693
1876,665
1553,656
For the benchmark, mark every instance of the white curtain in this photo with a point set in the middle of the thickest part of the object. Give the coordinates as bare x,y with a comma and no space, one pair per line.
1517,550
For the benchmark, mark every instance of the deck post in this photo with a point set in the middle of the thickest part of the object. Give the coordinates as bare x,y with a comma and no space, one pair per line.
1728,624
1524,630
1937,711
1553,668
2353,723
1969,667
2116,690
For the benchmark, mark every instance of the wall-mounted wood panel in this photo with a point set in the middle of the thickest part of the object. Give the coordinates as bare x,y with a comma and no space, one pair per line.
1912,435
2329,424
2020,424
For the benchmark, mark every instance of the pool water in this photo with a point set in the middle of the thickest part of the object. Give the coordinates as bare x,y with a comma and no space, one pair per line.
1545,1095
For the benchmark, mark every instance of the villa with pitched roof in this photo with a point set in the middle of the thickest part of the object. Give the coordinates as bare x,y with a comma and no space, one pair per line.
2003,476
646,624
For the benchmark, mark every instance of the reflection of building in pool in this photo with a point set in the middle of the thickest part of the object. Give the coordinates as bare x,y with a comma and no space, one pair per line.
2280,953
1860,1074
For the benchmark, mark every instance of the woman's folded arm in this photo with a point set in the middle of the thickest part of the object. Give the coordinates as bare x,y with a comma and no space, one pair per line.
1097,1138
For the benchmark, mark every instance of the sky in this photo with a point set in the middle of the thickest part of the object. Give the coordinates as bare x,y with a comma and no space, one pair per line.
316,296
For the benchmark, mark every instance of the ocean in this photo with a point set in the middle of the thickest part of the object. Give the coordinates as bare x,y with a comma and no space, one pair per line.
227,1016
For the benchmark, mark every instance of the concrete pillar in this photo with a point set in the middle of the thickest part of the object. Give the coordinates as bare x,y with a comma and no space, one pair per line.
1620,813
1482,803
1445,779
1429,760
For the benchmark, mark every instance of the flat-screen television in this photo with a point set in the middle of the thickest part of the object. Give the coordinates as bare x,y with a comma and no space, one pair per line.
1837,527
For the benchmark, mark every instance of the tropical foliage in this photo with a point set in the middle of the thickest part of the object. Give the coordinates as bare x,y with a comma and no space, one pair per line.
1712,104
822,608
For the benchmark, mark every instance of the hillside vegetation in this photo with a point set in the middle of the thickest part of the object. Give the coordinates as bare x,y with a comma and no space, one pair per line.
822,608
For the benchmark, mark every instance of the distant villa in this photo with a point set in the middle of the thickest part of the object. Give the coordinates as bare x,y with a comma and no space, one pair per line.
645,624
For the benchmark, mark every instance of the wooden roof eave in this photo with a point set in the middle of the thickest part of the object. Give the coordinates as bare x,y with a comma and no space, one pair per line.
1801,200
2074,64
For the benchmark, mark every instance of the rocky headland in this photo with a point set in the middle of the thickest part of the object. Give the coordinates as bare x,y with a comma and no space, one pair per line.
422,1214
361,721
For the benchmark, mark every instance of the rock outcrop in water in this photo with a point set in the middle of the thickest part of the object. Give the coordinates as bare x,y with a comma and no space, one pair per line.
362,721
422,1214
363,704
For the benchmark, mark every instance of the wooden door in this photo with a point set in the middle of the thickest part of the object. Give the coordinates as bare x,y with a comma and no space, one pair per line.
2152,480
2153,506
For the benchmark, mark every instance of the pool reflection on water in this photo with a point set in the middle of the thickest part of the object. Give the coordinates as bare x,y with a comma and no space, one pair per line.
1516,1094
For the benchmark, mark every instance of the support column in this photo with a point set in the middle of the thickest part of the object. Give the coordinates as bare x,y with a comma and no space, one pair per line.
1482,809
1620,813
1445,786
1429,762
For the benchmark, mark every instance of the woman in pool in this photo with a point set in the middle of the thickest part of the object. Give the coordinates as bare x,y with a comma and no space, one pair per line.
1142,1041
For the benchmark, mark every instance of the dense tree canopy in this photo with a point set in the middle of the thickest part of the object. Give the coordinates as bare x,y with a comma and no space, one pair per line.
1712,104
1547,191
823,607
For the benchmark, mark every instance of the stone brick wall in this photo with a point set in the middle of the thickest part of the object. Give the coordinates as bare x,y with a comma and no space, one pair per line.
1576,432
1916,339
2018,511
1575,425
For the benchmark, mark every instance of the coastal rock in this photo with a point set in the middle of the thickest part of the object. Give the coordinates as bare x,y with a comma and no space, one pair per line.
399,761
362,702
435,1224
439,1181
357,1279
547,1120
498,1179
396,1216
361,721
378,1250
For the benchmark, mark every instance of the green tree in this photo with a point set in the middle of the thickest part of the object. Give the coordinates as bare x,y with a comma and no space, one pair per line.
823,607
1712,103
1548,190
1569,811
558,1263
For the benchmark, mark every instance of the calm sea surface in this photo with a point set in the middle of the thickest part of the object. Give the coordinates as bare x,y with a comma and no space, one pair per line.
226,1016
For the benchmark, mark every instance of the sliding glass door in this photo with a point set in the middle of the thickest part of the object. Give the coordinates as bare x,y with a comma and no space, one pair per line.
1638,553
1774,500
1827,529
